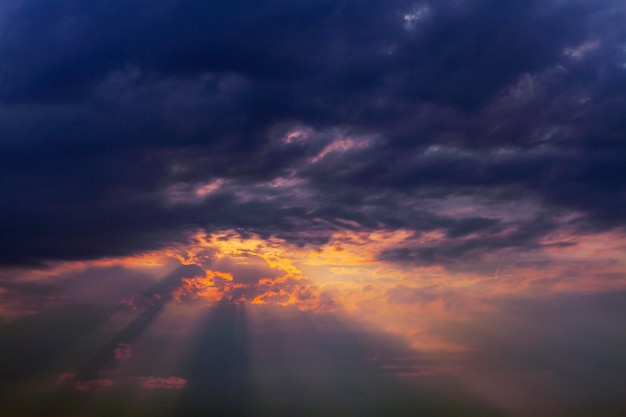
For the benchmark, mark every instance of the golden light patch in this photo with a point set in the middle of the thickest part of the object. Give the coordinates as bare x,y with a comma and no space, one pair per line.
347,274
240,255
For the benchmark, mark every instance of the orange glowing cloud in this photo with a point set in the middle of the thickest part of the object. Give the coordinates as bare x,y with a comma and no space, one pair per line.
251,270
348,274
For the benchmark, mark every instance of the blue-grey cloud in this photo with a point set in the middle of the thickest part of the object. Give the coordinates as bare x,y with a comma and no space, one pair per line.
105,109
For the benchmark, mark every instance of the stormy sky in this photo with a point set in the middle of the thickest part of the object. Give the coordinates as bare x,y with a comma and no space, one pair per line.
307,207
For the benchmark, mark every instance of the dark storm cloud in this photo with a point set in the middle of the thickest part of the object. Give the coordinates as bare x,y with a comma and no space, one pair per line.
106,110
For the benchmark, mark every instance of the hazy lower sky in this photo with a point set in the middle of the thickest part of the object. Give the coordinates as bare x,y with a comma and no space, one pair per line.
313,208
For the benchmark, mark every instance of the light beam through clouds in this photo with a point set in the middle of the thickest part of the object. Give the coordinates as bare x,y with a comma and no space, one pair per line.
419,305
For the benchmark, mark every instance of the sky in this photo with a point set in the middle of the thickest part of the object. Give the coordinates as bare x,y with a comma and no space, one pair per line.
313,207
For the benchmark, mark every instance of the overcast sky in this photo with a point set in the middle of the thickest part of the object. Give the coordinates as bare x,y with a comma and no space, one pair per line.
313,206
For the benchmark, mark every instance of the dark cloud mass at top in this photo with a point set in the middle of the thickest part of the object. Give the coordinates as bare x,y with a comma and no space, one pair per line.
304,117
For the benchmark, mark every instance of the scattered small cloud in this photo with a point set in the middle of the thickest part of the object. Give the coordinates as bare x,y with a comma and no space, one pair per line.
123,352
166,383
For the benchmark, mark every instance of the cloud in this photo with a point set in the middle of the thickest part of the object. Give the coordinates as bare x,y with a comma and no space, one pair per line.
101,130
123,351
168,383
70,378
240,270
452,300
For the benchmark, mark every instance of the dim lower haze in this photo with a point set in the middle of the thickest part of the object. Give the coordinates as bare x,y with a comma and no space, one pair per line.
313,207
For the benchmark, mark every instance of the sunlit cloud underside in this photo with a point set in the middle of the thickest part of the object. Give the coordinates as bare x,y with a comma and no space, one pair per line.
242,323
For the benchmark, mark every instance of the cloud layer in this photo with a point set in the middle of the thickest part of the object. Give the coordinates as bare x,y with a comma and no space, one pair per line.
126,127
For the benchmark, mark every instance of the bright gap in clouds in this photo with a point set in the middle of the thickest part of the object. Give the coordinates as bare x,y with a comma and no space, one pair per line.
227,324
243,323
